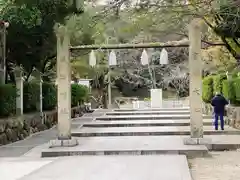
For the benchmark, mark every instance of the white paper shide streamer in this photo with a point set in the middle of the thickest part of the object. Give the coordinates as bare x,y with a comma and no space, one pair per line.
164,57
144,58
92,59
112,61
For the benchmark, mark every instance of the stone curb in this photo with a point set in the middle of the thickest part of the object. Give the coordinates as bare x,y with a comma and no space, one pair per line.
151,133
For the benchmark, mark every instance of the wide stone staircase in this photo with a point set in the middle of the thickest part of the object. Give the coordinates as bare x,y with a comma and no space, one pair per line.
145,132
145,144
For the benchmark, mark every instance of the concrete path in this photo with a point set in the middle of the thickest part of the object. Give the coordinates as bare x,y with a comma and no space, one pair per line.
133,139
169,167
135,145
17,168
139,145
20,148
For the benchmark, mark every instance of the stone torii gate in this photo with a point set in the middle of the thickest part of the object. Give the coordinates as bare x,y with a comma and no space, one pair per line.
64,80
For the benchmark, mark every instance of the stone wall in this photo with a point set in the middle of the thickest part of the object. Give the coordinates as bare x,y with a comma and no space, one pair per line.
18,128
207,109
232,114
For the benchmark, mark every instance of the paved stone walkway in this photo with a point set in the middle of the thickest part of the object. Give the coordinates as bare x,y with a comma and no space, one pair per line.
20,148
16,168
119,167
171,167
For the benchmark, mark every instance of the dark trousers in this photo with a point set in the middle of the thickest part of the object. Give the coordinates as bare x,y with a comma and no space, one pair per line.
217,115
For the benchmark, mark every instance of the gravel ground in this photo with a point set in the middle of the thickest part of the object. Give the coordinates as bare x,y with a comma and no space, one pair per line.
220,166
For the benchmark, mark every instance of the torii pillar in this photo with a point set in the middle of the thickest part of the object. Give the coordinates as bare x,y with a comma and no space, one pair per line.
195,68
64,90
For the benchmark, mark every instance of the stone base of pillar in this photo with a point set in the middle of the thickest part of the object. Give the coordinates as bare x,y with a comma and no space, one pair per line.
197,141
63,143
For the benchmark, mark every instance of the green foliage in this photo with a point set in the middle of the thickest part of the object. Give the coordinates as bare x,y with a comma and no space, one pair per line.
217,83
31,39
235,73
79,94
237,88
227,25
8,96
207,89
228,90
30,97
49,96
147,99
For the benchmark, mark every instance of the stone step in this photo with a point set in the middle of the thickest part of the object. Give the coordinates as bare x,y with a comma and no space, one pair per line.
148,131
146,113
133,145
144,117
116,167
18,168
101,111
140,145
153,109
142,123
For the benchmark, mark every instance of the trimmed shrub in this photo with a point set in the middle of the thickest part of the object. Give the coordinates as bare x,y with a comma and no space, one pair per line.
228,90
234,73
30,97
49,92
79,94
8,96
236,85
207,89
217,82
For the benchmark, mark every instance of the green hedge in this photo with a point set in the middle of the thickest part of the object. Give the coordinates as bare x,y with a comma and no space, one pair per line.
30,97
207,89
236,86
49,93
8,96
79,94
217,83
229,88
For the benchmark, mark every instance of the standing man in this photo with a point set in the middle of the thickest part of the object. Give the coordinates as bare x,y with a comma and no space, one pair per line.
219,103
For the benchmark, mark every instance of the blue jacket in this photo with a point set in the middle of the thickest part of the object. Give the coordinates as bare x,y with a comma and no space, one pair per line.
219,103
